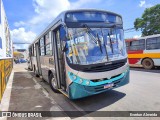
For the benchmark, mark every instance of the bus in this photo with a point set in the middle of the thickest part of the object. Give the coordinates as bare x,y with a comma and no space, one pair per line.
144,51
6,61
81,53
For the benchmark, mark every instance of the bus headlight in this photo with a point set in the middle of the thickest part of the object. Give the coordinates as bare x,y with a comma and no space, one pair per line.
87,82
74,77
80,81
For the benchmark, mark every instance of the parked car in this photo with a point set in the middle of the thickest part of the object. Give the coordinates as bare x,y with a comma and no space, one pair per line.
21,60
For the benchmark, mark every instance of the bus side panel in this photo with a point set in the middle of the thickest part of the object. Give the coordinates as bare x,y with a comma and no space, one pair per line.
133,57
156,62
52,64
34,62
134,60
154,55
45,66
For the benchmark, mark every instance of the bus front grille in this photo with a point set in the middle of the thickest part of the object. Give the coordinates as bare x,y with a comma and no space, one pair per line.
106,67
104,79
100,88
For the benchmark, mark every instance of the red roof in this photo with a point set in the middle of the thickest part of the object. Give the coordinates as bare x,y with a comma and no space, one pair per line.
130,39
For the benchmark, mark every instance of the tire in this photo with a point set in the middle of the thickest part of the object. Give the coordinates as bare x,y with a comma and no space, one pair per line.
53,83
148,63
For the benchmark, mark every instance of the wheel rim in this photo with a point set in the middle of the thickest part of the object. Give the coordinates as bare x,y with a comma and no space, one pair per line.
54,84
147,63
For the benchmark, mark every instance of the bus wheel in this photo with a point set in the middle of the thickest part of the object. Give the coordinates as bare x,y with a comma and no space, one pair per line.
148,63
53,83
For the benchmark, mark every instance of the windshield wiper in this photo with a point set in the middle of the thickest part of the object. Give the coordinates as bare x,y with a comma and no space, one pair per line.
91,34
105,45
99,43
110,42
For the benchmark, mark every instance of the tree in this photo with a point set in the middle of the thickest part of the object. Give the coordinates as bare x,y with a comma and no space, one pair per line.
149,23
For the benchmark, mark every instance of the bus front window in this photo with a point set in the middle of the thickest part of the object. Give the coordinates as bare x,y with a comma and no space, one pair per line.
96,46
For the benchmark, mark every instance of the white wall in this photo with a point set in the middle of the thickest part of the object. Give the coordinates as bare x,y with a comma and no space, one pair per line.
1,50
6,51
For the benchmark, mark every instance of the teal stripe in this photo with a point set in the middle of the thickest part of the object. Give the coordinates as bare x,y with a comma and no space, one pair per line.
77,80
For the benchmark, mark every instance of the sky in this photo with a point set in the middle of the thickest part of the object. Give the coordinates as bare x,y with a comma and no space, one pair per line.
28,18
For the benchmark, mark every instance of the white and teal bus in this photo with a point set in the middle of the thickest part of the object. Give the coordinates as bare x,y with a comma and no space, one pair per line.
81,53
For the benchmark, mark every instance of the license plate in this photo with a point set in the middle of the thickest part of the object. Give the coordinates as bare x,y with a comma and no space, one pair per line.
109,85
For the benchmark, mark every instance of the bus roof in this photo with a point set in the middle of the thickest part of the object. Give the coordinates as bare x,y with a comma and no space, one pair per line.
61,17
130,39
150,36
145,37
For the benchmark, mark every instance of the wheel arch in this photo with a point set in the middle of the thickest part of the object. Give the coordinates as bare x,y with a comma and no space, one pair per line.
147,58
49,73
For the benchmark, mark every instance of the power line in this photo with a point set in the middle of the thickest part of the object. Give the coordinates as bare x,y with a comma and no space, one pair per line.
20,43
128,29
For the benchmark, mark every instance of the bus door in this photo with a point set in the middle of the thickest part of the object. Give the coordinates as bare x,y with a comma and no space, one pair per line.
38,58
59,58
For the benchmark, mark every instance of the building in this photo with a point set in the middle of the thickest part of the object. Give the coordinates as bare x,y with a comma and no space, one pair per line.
23,53
6,52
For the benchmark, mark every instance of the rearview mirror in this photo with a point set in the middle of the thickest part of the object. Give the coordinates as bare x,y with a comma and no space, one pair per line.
63,34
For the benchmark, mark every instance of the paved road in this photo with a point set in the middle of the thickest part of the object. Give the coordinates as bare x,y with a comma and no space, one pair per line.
23,93
141,94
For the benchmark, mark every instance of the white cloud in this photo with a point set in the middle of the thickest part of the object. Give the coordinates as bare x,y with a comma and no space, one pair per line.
18,24
136,36
45,12
22,46
83,3
144,4
21,35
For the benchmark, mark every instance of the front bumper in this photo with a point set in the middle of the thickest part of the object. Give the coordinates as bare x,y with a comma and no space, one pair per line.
77,91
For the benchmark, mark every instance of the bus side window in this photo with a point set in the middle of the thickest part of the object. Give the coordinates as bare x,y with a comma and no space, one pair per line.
42,51
134,45
48,45
142,44
30,51
153,43
34,53
158,42
137,45
127,45
58,44
62,36
62,33
33,50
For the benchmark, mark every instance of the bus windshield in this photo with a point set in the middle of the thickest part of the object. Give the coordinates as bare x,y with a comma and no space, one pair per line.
97,45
